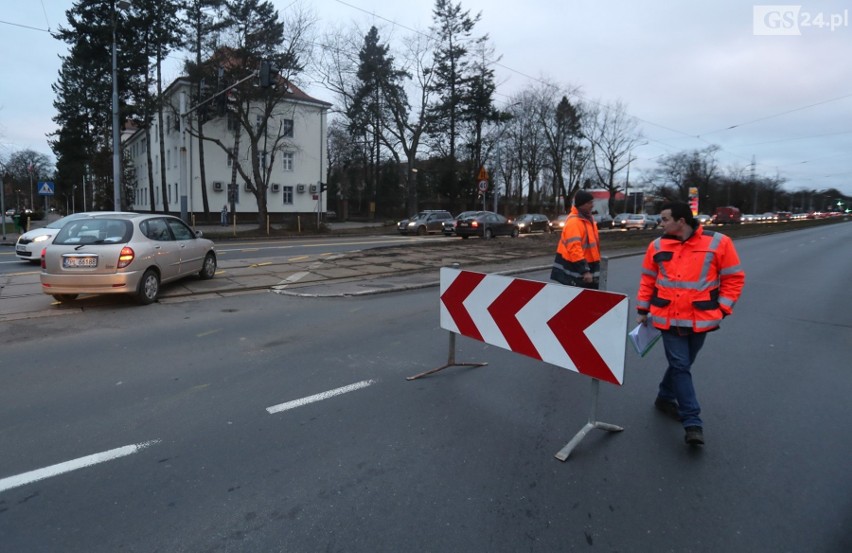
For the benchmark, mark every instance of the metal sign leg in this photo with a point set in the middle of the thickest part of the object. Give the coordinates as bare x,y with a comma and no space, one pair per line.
451,361
593,423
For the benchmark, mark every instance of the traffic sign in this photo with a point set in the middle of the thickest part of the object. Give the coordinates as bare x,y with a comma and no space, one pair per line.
45,188
483,185
574,328
483,174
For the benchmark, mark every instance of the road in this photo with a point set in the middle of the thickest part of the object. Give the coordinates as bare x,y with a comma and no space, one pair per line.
359,459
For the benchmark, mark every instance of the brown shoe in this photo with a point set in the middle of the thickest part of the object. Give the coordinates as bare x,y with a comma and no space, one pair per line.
694,435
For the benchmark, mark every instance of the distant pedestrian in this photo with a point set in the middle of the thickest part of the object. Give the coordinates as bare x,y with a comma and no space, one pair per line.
223,216
578,255
691,279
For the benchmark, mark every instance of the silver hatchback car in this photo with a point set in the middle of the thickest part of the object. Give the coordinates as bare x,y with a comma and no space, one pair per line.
125,253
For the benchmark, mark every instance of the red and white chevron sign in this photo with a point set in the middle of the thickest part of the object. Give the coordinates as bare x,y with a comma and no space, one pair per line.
574,328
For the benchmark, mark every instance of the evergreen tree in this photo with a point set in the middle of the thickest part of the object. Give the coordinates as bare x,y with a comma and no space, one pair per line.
84,92
453,29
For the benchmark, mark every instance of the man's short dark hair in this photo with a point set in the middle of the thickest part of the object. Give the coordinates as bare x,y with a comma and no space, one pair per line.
681,210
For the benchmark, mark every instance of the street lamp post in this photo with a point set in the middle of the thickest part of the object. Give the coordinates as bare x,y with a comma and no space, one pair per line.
116,138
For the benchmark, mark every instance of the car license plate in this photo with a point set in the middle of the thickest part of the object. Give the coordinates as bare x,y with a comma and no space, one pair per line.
77,261
21,249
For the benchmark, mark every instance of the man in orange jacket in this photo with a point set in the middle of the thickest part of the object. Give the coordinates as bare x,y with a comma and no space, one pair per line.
691,280
578,255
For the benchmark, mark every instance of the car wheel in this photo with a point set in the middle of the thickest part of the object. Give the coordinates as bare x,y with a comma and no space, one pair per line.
464,236
421,231
514,233
149,287
208,270
64,297
488,234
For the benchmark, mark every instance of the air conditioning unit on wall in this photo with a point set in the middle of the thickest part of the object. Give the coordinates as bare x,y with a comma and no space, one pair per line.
275,187
300,188
313,189
218,186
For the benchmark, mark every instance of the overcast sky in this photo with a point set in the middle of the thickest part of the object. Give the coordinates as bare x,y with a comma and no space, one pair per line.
693,73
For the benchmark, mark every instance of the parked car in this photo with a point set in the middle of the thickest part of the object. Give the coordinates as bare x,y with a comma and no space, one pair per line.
556,225
728,215
639,221
425,222
29,244
123,253
486,224
655,219
450,226
619,220
603,220
533,222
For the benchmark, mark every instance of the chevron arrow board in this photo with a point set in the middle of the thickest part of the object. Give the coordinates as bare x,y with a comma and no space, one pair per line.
574,328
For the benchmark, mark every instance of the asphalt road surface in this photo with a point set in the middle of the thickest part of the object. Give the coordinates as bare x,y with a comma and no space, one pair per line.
271,423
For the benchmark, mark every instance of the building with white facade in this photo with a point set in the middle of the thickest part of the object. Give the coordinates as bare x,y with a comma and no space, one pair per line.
299,164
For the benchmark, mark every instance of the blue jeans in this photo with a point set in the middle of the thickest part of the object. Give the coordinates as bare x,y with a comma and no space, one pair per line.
681,350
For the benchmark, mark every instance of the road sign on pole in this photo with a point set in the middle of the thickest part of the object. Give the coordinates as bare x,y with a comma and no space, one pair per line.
45,188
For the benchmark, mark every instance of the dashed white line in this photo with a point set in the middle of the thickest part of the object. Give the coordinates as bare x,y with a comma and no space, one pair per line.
319,397
61,468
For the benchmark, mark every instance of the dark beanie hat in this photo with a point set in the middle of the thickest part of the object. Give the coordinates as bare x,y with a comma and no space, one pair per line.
583,197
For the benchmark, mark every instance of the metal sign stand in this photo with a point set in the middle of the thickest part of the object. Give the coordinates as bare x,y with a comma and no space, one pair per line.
451,361
563,453
593,423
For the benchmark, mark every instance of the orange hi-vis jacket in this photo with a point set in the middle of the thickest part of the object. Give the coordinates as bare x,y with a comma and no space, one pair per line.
693,283
578,251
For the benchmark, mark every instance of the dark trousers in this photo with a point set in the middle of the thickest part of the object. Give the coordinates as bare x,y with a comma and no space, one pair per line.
681,350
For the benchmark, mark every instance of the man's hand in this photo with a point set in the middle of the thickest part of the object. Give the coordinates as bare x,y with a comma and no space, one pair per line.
641,319
587,277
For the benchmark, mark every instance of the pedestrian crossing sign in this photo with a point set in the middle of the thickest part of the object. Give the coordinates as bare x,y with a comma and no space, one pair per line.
45,188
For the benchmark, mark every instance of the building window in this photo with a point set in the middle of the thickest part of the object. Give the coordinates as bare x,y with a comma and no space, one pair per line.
287,128
287,158
287,195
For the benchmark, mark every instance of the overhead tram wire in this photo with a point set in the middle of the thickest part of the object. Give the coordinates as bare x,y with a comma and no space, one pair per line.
778,114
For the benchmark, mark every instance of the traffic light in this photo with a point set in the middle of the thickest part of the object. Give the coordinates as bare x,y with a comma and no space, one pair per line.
266,74
323,187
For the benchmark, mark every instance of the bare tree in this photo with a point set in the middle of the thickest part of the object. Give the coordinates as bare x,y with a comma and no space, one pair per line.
613,133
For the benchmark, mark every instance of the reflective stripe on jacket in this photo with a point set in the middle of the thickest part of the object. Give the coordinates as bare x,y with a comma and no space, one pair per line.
578,251
694,283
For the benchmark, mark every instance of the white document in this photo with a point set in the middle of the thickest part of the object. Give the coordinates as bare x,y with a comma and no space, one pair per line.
643,338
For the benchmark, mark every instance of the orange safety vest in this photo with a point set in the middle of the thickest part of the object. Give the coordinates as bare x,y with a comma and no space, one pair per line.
693,284
578,251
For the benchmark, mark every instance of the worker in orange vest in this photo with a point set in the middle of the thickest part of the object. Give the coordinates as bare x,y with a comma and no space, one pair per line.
691,280
578,255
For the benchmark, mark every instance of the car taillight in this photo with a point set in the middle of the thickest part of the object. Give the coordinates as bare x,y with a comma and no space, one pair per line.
475,224
125,257
43,265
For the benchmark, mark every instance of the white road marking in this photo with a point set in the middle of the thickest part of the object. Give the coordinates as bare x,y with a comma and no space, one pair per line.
319,397
61,468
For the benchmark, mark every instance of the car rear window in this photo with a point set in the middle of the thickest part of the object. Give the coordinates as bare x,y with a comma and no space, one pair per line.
94,231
